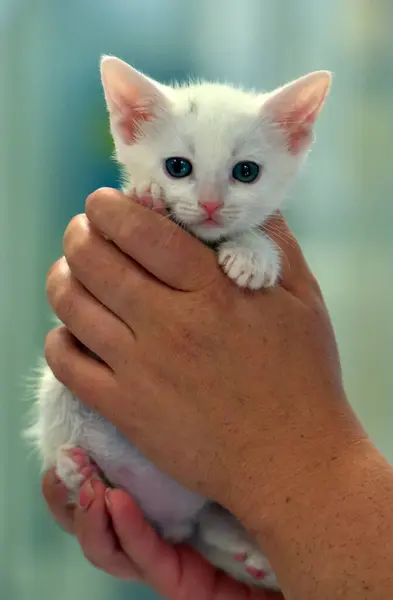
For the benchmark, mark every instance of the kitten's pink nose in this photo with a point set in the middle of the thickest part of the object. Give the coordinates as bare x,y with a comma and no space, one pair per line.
211,207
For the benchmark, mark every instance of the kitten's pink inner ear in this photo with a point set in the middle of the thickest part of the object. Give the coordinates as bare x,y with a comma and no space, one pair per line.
298,125
131,97
127,112
296,107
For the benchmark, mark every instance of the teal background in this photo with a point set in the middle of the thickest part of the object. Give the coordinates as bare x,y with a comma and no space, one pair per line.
55,149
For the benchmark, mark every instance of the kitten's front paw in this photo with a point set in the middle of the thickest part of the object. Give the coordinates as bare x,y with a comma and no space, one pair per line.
249,268
149,194
73,467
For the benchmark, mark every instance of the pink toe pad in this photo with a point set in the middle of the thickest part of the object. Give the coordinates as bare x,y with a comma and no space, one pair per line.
256,573
240,556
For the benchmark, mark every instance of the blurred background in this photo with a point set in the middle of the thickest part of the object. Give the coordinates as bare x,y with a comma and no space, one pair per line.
55,149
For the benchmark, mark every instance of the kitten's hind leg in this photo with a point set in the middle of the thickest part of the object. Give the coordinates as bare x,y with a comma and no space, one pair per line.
177,532
227,545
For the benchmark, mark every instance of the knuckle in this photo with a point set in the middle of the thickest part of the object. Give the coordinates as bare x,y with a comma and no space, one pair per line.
59,293
89,553
53,278
187,340
51,342
315,286
95,199
99,558
54,354
76,238
92,560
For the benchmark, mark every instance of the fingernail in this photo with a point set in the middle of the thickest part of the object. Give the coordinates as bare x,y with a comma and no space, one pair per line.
107,499
86,495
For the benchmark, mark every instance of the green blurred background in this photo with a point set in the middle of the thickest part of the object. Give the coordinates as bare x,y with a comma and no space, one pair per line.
55,149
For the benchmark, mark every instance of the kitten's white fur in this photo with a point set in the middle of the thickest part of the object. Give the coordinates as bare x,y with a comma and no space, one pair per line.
213,126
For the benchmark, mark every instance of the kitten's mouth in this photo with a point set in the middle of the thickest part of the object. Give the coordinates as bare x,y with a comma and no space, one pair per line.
209,223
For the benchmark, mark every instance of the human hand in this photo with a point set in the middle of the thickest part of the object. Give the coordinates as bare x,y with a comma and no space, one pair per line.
115,538
206,379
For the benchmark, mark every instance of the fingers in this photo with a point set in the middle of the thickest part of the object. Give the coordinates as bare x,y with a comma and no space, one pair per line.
175,257
160,246
115,538
95,534
155,560
83,375
89,321
296,276
56,497
113,278
174,572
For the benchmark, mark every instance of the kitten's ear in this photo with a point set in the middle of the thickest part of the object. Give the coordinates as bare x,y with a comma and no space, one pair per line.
131,97
296,106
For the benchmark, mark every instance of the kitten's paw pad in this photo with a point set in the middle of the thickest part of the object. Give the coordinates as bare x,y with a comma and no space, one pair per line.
240,557
178,532
255,564
256,573
77,455
248,268
73,467
148,194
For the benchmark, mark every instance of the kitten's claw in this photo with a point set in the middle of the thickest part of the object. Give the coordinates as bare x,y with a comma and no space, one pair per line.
227,545
249,268
148,194
155,191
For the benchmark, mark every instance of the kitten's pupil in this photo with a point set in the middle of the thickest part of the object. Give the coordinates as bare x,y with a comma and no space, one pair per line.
178,167
246,171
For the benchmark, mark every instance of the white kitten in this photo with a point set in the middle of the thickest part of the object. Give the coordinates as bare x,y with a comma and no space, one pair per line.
221,160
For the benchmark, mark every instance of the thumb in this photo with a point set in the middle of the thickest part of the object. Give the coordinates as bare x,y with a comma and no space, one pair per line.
152,240
56,497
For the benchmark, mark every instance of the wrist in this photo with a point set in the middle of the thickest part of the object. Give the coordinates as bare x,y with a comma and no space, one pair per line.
329,525
283,466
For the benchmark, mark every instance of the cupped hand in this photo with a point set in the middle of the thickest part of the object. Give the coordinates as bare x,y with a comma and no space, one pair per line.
115,538
206,379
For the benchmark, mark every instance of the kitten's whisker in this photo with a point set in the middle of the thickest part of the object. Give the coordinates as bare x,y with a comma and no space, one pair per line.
287,240
282,235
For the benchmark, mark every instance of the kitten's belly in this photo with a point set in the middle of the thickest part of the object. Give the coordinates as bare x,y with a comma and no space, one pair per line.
161,498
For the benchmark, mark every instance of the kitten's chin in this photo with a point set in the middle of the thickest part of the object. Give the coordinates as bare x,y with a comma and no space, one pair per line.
208,233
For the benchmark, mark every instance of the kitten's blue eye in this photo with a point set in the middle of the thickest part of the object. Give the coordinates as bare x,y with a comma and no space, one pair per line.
178,167
246,171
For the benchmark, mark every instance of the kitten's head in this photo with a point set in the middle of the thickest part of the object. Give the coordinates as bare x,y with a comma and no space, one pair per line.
223,157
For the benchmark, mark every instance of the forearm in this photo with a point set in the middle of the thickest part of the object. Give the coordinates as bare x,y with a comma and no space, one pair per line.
328,529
